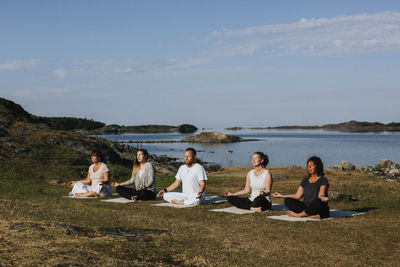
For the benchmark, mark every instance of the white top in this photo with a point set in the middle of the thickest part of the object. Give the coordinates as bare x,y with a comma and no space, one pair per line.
97,177
191,178
257,183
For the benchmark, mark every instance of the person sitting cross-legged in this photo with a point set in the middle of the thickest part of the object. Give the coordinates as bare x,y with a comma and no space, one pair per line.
259,182
314,188
193,178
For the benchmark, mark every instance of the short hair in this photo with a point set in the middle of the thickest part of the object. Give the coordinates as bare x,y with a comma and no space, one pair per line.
264,157
318,163
191,150
97,154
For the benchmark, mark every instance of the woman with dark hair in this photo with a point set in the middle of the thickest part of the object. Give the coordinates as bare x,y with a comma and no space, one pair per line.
314,188
143,176
259,182
96,182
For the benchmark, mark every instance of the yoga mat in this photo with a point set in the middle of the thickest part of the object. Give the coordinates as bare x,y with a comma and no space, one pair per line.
235,210
118,200
334,214
208,200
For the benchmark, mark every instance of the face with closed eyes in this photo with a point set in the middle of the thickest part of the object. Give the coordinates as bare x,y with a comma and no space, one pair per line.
311,168
141,158
189,158
256,160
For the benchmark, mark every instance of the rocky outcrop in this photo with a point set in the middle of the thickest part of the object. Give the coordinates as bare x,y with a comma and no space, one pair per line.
347,166
340,196
211,137
385,168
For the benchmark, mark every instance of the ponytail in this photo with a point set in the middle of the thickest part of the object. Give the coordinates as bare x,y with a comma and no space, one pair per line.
264,157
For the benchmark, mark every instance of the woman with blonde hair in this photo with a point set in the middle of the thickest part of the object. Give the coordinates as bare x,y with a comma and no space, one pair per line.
143,176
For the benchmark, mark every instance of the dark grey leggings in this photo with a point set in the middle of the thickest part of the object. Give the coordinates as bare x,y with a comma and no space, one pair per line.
315,207
245,203
127,192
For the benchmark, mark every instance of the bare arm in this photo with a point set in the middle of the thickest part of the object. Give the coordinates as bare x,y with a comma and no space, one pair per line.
127,182
298,194
171,187
244,191
85,181
202,188
106,177
321,194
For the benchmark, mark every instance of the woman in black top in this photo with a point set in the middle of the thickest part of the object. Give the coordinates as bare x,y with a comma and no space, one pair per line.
314,188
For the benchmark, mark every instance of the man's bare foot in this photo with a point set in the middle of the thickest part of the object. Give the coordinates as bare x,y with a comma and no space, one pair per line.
177,202
315,217
134,198
258,209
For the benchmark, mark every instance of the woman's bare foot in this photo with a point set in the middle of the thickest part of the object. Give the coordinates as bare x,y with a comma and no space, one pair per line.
315,217
296,215
258,209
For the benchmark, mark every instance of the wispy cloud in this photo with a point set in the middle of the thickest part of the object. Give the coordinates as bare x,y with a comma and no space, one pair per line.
126,67
362,33
19,64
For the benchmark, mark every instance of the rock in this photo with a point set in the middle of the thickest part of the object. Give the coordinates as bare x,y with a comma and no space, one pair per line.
346,166
211,137
340,196
18,227
187,128
388,168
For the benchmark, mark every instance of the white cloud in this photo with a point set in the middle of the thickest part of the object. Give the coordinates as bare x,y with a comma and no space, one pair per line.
362,33
60,73
19,64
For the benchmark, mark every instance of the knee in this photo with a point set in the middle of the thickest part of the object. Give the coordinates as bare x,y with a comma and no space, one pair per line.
118,189
288,201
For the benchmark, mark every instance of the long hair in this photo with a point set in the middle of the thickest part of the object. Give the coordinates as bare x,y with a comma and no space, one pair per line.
318,163
264,157
136,164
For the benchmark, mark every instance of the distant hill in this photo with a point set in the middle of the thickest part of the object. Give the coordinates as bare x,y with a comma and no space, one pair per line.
150,128
350,126
10,111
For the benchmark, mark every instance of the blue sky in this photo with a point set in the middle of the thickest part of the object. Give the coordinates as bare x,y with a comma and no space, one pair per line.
209,63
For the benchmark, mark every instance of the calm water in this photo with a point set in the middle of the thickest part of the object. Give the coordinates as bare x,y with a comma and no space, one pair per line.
284,147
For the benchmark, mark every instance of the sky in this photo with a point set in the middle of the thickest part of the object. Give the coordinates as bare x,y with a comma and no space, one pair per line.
213,64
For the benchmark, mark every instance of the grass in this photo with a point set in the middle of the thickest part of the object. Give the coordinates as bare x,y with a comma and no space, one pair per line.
31,198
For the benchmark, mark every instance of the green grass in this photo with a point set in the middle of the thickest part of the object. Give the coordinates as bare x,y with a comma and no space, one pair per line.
193,236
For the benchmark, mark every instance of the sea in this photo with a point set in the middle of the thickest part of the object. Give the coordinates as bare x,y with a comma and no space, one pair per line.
283,147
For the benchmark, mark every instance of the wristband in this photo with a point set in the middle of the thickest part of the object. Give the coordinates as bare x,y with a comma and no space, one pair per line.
165,190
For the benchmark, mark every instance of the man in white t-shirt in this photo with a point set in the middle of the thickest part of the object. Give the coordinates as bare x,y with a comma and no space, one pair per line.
193,178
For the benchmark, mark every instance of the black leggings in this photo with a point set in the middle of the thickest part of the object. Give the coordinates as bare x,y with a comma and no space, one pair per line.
315,207
127,192
245,203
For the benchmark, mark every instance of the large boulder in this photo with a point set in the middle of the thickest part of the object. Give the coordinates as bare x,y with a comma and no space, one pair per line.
211,137
388,167
187,128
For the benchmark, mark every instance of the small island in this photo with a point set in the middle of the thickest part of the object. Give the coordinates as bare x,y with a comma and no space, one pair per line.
213,137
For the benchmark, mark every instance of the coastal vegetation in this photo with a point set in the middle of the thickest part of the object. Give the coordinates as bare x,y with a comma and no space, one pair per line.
116,129
38,226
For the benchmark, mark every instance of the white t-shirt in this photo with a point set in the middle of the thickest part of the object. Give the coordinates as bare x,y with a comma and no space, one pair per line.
98,176
191,178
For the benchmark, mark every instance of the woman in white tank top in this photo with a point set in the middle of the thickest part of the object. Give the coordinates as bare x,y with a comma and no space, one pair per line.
259,182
